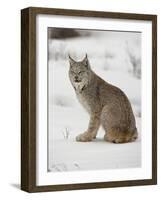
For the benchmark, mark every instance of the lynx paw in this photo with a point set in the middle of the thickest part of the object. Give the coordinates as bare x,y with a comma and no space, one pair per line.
84,137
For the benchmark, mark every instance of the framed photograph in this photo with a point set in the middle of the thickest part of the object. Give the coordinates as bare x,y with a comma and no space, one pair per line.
88,99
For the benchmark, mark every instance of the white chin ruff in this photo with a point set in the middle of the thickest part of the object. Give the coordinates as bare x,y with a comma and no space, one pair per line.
78,86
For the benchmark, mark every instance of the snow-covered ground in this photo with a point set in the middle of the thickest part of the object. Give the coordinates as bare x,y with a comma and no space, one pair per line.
110,56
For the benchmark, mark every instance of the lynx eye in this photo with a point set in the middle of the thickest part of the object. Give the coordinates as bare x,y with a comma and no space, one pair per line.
73,72
81,72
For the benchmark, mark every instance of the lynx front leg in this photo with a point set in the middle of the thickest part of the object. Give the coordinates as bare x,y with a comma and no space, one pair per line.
91,132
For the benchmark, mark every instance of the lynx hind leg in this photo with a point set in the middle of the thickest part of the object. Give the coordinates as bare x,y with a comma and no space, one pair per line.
115,132
116,136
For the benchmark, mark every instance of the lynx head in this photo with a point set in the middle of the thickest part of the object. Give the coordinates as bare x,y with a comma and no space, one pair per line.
79,72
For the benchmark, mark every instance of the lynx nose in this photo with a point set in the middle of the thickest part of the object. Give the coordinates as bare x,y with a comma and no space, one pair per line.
77,79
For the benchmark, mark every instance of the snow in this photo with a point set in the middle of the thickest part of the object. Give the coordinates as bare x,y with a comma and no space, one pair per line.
109,59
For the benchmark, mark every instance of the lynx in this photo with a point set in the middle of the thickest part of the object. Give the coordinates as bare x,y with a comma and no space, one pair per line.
106,104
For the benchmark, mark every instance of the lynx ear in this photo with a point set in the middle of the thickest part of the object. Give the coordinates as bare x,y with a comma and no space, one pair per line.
71,61
85,61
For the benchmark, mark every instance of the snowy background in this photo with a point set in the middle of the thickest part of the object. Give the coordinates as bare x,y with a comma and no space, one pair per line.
116,57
